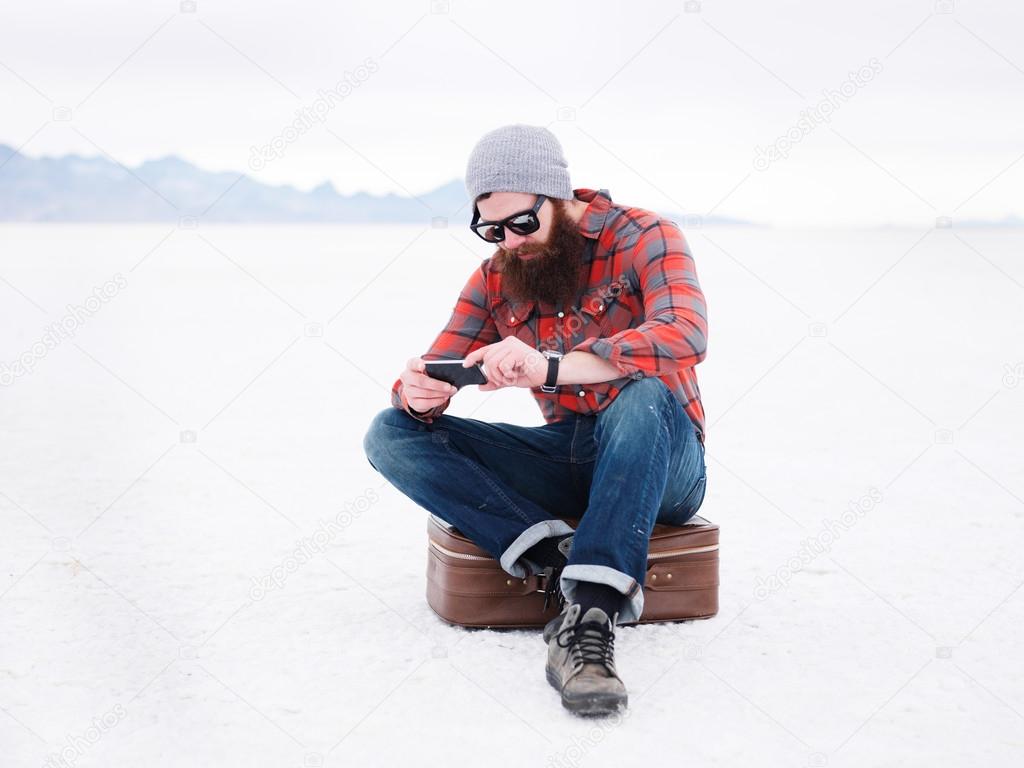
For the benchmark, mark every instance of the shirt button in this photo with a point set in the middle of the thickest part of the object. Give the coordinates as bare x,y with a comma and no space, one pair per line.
561,314
512,319
581,393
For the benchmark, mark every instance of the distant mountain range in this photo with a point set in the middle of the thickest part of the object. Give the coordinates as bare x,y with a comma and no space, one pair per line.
74,188
94,189
942,222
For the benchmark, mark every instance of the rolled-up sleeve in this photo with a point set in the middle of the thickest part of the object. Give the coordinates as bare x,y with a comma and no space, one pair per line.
673,335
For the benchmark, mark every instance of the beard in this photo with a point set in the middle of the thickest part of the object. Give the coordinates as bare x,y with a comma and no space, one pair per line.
552,274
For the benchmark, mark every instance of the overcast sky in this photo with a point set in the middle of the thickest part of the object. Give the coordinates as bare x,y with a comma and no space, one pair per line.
667,102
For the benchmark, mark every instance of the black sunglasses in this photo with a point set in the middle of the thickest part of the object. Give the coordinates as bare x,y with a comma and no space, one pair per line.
522,223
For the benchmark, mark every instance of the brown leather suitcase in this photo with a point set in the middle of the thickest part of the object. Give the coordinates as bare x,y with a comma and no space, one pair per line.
468,587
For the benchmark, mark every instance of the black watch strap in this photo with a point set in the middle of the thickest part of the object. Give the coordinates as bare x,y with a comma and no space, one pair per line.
549,382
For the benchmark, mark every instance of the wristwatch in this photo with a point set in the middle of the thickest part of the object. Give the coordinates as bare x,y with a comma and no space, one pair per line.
553,359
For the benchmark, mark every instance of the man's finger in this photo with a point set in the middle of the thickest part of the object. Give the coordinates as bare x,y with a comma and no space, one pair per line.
476,356
415,391
428,383
422,381
497,363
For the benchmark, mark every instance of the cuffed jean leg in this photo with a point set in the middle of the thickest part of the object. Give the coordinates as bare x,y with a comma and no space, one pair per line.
649,466
500,484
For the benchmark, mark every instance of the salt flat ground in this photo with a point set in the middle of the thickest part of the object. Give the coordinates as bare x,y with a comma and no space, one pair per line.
205,422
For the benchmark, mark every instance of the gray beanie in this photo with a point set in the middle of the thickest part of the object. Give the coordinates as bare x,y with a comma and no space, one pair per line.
518,158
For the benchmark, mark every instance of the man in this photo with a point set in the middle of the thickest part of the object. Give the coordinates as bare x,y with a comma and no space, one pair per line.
596,308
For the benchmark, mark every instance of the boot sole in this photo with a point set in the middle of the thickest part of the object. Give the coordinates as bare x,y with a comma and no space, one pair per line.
591,704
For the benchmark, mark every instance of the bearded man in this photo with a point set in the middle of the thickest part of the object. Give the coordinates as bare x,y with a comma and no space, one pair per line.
596,308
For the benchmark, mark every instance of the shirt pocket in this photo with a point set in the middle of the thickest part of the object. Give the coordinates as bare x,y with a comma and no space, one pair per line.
512,317
602,307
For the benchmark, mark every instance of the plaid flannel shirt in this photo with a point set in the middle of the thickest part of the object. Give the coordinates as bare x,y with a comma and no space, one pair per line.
640,307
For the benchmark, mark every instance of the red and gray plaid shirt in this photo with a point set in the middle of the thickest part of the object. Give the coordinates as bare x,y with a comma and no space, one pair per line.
641,309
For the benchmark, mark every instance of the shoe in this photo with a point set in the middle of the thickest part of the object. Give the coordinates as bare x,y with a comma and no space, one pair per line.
553,626
581,663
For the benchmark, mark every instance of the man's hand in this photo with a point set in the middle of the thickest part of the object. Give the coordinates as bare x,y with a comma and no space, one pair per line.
509,363
421,391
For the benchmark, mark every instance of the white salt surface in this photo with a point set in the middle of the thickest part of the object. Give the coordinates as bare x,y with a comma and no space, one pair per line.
207,419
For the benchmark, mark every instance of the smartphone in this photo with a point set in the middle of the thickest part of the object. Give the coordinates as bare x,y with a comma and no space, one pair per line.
453,372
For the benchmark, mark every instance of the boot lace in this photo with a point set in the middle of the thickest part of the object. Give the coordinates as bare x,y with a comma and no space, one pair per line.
589,642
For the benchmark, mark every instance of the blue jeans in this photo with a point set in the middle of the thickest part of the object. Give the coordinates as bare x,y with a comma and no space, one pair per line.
635,463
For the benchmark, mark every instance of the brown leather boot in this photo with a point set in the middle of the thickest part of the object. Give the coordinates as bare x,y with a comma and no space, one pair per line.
581,664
